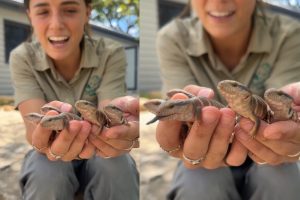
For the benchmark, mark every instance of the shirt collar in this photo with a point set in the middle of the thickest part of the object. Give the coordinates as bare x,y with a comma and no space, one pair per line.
198,43
89,56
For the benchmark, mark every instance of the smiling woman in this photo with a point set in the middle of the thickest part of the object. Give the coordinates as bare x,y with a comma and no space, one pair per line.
57,67
235,40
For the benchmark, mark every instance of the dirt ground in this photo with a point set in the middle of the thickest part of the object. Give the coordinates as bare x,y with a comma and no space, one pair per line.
156,168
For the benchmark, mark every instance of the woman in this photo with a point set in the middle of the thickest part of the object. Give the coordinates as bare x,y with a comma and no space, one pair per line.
231,39
58,67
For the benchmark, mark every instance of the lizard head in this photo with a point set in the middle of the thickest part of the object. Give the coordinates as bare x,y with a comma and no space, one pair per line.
233,89
278,96
82,105
152,105
175,109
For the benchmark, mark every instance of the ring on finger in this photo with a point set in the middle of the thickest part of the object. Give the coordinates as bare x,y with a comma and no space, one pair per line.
38,149
171,150
261,163
294,155
55,156
192,161
132,144
78,157
103,155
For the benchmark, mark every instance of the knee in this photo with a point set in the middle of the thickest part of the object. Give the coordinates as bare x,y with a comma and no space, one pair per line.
41,175
278,179
204,184
119,166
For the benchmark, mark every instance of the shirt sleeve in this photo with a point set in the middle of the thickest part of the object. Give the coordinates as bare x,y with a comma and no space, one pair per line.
175,72
286,68
113,81
25,85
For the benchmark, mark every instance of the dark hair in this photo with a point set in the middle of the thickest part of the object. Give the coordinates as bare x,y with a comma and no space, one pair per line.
26,3
87,27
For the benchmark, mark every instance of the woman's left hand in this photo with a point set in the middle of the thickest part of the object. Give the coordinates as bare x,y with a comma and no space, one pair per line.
274,143
117,140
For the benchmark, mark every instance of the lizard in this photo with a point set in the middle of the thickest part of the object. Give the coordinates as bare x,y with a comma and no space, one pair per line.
281,104
55,122
241,100
276,105
110,116
186,110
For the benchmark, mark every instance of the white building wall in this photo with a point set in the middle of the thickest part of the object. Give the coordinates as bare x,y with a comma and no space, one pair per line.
13,15
149,74
148,78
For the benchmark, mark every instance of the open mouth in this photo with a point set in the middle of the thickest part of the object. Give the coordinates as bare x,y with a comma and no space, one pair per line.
218,14
58,40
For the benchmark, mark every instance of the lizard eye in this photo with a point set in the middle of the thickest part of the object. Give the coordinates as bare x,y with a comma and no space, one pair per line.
171,106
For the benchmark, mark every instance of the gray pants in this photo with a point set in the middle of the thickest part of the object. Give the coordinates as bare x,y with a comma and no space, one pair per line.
260,182
107,179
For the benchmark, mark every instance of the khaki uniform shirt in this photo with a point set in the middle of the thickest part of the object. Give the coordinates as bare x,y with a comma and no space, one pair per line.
272,59
101,74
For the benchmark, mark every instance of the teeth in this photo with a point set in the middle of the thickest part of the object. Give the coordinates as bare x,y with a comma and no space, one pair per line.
220,14
57,39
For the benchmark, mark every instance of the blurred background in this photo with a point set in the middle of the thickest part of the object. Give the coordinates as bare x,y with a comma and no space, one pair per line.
134,23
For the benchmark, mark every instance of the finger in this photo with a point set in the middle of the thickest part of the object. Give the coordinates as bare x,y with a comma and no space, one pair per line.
88,150
169,133
256,159
119,143
125,132
293,90
105,147
41,136
200,91
62,106
128,104
102,155
281,147
220,140
257,148
62,143
78,142
198,139
237,154
283,130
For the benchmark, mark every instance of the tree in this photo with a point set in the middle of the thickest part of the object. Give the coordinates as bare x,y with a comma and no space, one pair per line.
121,15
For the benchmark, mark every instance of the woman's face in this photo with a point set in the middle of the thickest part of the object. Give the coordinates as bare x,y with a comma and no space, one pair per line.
224,18
59,25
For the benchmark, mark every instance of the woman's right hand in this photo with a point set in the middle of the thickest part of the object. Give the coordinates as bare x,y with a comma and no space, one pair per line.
71,143
208,139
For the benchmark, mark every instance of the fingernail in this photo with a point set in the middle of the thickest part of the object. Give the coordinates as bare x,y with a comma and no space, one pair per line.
206,92
65,107
246,125
209,116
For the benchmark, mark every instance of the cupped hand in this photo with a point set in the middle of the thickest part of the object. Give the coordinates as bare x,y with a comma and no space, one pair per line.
68,144
278,142
207,142
118,140
273,144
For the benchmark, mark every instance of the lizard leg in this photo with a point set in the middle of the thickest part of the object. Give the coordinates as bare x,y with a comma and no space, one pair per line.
253,131
175,91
